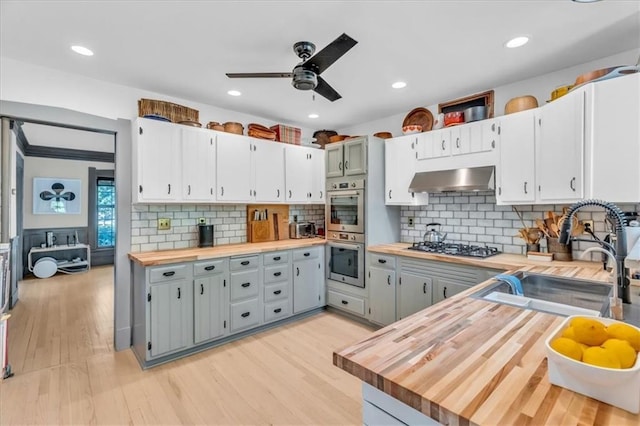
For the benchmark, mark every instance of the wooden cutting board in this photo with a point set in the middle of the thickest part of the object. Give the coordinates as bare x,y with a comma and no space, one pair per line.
261,230
275,212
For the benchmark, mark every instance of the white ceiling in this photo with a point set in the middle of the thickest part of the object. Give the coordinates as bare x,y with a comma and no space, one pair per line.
442,49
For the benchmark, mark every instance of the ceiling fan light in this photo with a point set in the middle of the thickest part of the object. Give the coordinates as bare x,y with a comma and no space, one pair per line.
81,50
517,42
399,85
234,93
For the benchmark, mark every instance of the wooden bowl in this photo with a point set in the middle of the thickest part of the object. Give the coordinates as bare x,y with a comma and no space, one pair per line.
231,127
521,103
337,138
592,75
383,135
214,125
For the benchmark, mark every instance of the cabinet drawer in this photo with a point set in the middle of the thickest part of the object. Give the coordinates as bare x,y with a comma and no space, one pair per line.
167,273
308,253
277,257
209,267
274,274
382,261
244,285
276,291
244,315
276,310
243,263
348,303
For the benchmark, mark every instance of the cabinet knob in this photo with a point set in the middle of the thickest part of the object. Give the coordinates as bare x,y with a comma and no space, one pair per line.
245,285
346,165
246,314
339,167
277,311
277,292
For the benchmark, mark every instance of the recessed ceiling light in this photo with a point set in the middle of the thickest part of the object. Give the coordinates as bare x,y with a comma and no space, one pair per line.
82,50
517,41
399,85
585,1
234,93
313,116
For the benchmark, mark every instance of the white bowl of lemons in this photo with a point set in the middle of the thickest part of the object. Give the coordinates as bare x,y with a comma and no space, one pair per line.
597,357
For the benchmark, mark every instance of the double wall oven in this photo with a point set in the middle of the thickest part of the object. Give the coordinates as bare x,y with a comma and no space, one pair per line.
345,231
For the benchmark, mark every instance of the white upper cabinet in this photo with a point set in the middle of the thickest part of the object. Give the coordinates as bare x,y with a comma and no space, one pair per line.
346,158
515,181
269,170
613,140
560,149
198,165
233,168
304,175
400,161
157,158
470,138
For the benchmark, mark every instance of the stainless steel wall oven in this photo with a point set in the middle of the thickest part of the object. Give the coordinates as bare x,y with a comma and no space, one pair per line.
346,258
345,206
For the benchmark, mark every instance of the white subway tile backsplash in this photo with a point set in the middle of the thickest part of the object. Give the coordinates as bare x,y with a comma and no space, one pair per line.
230,224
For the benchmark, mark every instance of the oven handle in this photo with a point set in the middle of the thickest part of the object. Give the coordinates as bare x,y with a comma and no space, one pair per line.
348,246
343,193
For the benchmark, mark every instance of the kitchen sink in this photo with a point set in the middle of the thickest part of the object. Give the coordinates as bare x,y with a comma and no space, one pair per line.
556,295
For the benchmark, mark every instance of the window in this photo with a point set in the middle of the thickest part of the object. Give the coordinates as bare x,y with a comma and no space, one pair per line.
106,213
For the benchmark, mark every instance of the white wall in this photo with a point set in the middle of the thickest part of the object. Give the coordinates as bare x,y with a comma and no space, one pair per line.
540,87
67,169
13,228
22,82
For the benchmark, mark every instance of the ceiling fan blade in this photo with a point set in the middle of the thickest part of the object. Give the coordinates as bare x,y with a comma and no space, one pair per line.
259,75
331,53
325,90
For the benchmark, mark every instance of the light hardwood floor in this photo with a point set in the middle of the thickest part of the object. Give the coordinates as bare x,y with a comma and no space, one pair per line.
66,371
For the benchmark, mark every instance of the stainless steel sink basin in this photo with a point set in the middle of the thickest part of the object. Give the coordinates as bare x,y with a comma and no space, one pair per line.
555,295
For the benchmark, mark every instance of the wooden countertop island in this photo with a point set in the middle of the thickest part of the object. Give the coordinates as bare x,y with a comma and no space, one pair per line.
468,361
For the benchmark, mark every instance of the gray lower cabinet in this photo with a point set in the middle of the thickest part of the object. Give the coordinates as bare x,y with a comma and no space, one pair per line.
308,277
244,289
210,307
445,288
170,308
413,293
382,289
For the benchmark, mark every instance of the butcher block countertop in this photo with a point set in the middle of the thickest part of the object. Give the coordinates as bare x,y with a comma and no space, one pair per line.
468,361
163,257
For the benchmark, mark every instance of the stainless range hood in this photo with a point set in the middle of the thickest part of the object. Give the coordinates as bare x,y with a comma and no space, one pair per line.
472,179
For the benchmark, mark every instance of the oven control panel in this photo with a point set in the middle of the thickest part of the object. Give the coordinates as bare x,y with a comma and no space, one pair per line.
346,236
345,185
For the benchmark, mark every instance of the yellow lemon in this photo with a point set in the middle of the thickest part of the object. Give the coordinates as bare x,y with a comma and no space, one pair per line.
567,347
590,332
569,333
623,331
622,350
600,357
579,320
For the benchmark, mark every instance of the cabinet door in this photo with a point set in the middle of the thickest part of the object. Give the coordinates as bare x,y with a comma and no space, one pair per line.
355,157
516,173
233,168
306,284
560,149
444,288
459,139
490,133
268,158
426,144
382,295
159,159
442,145
414,294
169,310
198,165
298,176
318,180
399,169
334,160
209,307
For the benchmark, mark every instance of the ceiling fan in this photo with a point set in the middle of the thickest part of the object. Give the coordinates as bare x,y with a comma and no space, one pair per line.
306,75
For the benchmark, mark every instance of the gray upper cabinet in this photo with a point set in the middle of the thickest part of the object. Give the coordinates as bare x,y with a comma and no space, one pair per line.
346,158
333,154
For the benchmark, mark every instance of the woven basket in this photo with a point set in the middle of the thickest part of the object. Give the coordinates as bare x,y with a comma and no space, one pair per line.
173,112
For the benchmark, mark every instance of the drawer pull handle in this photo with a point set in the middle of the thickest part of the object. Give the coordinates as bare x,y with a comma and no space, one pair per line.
169,273
572,183
209,268
277,274
246,284
444,292
344,302
388,279
201,288
277,258
179,293
245,262
382,260
307,254
297,272
246,314
277,292
424,288
277,311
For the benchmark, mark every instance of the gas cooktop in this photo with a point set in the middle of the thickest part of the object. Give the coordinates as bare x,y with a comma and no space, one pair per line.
455,249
